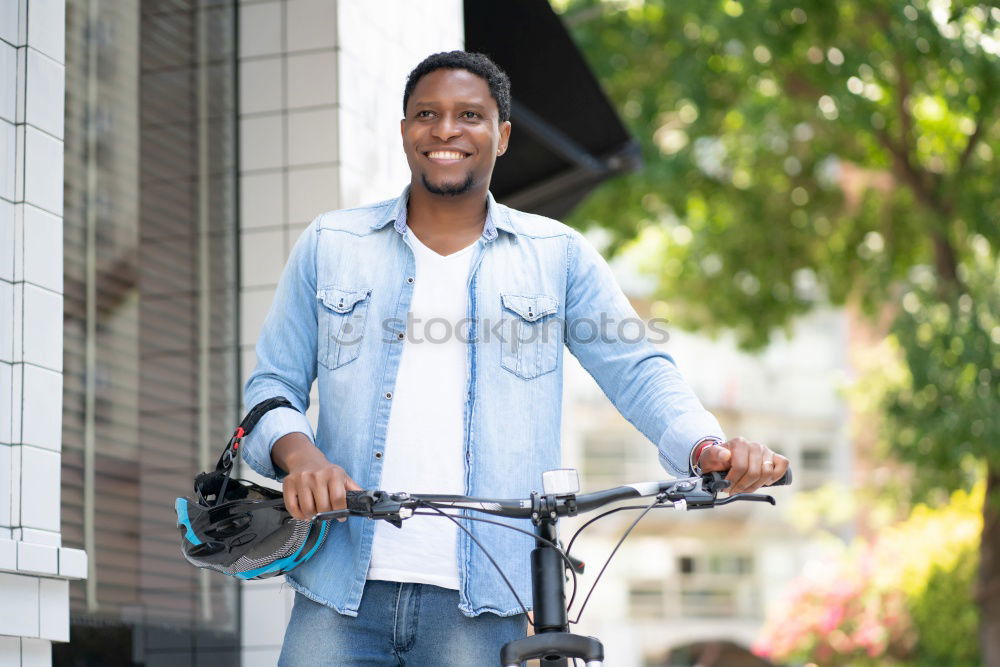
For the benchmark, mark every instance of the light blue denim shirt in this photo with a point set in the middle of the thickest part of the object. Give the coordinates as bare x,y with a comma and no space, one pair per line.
536,286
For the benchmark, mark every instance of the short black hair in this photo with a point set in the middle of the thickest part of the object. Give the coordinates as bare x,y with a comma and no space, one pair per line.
477,63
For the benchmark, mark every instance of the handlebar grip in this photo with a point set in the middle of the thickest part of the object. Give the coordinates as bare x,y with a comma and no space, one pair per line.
785,480
359,501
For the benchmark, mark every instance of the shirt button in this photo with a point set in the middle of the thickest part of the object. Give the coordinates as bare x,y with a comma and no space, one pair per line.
401,335
378,455
410,279
388,394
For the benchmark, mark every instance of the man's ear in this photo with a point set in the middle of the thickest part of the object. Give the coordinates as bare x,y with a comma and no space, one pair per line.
402,127
504,137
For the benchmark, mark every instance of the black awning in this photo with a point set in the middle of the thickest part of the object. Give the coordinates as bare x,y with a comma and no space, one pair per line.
566,137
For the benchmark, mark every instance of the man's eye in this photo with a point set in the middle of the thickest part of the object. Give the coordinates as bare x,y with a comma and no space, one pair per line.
420,114
470,114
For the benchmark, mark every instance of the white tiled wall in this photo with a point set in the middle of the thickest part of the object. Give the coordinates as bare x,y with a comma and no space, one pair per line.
20,618
34,567
42,395
42,180
44,97
36,652
321,91
7,157
37,558
42,263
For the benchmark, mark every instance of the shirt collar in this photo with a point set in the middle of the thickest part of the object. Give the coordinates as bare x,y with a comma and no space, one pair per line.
497,217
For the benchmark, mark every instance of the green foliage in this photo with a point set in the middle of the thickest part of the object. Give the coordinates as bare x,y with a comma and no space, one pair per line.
796,149
944,412
945,617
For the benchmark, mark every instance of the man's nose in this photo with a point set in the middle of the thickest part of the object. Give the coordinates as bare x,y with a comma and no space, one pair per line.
446,128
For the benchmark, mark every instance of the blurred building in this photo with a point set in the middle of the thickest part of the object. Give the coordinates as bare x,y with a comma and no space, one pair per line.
707,576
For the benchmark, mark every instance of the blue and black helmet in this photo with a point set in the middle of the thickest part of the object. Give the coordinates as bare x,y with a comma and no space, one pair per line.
240,528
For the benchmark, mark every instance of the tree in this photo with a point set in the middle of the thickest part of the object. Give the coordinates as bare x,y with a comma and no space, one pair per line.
807,151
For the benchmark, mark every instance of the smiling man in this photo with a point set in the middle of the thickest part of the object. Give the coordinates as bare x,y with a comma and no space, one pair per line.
469,406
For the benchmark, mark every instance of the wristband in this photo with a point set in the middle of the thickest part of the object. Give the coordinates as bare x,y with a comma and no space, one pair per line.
696,451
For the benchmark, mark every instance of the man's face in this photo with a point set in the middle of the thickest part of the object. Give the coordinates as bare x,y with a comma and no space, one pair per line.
451,133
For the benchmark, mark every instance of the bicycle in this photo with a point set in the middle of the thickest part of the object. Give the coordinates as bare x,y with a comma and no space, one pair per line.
552,642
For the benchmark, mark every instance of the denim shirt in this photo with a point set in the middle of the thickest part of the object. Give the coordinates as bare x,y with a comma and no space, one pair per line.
535,288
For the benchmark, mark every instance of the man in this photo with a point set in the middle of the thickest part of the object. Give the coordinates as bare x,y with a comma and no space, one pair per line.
473,408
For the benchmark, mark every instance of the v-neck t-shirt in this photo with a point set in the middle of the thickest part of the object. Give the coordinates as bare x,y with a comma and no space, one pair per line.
424,442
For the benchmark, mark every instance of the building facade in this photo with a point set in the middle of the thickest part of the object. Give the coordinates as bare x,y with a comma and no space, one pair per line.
35,565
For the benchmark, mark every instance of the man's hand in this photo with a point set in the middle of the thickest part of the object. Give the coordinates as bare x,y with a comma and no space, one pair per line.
313,483
751,465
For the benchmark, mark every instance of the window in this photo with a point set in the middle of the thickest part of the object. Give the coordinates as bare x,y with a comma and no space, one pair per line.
706,602
618,457
714,585
815,458
715,564
603,457
645,599
730,564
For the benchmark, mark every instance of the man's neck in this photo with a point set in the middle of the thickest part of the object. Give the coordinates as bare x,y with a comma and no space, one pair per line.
446,224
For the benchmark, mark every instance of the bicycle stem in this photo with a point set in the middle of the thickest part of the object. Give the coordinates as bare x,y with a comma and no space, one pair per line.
547,581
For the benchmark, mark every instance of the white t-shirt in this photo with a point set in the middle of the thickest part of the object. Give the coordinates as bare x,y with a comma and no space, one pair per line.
424,450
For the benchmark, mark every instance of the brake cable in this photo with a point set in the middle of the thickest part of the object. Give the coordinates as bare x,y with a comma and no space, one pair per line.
485,552
601,516
562,554
557,547
659,499
658,502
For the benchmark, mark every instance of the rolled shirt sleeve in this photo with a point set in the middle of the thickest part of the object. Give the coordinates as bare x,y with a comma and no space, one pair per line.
640,380
273,426
691,427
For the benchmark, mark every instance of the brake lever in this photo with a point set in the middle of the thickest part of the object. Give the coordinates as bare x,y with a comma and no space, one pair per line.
714,482
755,497
695,493
372,505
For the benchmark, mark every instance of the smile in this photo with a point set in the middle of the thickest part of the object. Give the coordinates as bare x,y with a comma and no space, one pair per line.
445,157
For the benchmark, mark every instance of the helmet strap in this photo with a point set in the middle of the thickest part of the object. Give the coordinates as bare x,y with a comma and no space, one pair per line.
232,451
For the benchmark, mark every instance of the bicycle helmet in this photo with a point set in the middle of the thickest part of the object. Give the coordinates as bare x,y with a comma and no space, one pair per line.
240,528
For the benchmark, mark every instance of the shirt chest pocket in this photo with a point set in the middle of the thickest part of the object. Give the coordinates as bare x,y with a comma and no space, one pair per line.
341,320
532,334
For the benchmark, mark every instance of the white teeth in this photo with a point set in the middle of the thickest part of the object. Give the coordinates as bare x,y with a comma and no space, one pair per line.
446,155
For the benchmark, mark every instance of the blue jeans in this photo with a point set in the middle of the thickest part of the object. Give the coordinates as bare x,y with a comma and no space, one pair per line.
397,624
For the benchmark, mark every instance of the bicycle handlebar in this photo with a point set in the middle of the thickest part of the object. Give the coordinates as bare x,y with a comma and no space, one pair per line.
687,493
552,640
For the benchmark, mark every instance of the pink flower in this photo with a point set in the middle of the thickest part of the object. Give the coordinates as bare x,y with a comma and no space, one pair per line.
832,618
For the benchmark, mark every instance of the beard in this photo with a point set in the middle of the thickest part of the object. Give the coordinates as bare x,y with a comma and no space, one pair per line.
447,189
